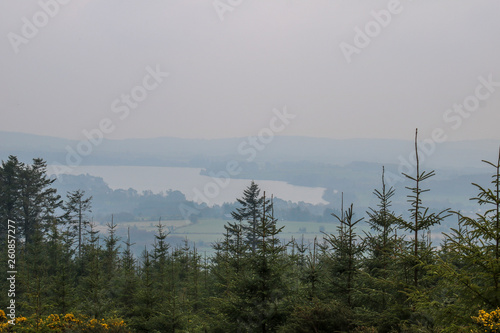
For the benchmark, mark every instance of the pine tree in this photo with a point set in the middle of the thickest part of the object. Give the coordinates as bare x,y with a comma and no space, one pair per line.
146,298
250,213
39,200
92,284
420,218
160,259
266,288
62,270
34,279
111,262
127,282
382,222
346,249
469,264
10,196
228,267
161,271
381,297
76,207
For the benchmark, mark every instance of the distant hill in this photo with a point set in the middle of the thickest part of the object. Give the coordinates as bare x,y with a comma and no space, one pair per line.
352,167
168,151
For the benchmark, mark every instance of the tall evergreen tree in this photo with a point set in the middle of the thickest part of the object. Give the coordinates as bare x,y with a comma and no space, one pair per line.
27,197
111,261
346,249
92,284
250,213
383,302
127,283
10,196
421,219
61,269
39,199
146,298
469,264
76,208
267,288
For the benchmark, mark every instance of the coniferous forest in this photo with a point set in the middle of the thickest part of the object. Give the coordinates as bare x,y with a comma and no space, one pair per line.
70,278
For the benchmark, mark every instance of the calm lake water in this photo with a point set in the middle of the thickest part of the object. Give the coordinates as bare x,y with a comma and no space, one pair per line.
196,187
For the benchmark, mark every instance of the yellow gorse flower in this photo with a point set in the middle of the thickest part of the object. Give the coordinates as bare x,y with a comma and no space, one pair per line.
489,320
61,323
2,316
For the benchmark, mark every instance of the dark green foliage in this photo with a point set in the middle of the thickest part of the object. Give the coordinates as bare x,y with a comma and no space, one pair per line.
250,269
10,195
344,254
251,212
420,220
92,284
318,316
26,196
469,263
381,296
76,208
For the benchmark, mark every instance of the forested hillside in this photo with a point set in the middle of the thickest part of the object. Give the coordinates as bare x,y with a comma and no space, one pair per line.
60,274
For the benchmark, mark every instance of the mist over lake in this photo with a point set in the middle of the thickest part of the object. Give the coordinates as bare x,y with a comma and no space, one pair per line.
189,181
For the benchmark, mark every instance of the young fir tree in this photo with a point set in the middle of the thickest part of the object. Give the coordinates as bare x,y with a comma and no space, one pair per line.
92,284
249,270
76,208
305,262
161,271
328,267
421,219
266,288
28,199
128,281
39,201
61,270
10,203
346,249
250,213
382,222
26,196
381,295
33,276
10,206
110,261
146,298
229,265
469,265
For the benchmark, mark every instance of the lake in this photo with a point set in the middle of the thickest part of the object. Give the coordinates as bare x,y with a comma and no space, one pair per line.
196,187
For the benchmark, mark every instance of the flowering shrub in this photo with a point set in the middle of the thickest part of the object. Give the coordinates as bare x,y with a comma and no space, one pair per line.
490,322
63,323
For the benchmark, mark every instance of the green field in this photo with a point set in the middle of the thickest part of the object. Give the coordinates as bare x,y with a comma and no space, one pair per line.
207,231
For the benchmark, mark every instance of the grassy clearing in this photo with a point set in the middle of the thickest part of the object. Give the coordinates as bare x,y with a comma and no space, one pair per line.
208,231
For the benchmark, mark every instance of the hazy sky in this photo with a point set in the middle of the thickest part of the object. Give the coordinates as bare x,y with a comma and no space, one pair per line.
227,75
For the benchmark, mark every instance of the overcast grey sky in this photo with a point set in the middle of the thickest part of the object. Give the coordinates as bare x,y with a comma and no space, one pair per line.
226,76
